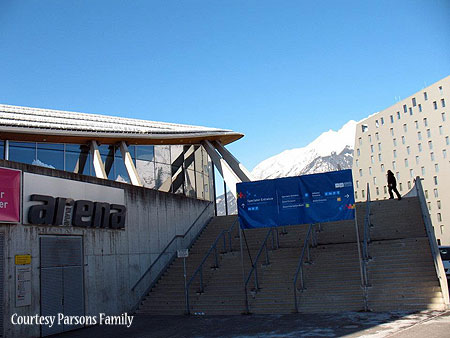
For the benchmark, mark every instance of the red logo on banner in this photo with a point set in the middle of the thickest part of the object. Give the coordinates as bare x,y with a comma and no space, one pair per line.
9,195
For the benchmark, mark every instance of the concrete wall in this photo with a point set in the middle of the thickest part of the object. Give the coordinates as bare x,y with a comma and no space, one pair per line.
114,259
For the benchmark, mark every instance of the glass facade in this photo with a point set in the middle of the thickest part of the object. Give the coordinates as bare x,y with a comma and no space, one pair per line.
179,169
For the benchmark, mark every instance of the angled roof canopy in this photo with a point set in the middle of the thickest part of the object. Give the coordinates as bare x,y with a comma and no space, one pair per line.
46,125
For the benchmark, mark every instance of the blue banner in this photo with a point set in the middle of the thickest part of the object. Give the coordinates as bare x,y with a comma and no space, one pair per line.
316,198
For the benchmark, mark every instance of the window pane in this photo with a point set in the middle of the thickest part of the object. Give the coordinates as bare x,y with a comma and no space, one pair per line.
2,150
78,159
163,180
189,183
24,152
162,154
146,172
120,171
145,153
50,155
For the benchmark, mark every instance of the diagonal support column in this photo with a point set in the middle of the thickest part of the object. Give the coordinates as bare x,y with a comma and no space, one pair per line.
233,162
222,166
99,168
129,165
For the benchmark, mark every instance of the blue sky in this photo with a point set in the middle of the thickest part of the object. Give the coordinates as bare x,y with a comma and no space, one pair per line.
281,72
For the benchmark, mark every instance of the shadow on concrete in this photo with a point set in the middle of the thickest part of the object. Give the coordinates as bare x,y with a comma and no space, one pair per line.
349,324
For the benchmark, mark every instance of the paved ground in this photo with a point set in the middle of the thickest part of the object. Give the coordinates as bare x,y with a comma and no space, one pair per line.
351,324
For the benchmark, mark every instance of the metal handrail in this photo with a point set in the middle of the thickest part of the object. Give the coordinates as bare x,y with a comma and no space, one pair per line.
437,259
199,269
255,265
300,263
170,243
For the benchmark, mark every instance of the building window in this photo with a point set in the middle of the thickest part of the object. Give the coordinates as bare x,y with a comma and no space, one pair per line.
357,162
426,194
370,170
382,120
364,127
443,103
432,156
377,124
420,147
435,105
375,181
428,133
438,204
377,136
357,184
363,194
392,118
406,162
417,159
435,180
425,96
409,184
371,148
419,135
430,145
400,185
385,189
360,173
370,138
398,115
379,156
411,172
395,142
393,165
416,124
371,159
440,90
420,108
378,190
429,206
356,195
444,153
425,122
408,150
382,168
447,141
405,108
379,145
360,141
394,153
423,171
439,217
410,111
405,128
403,139
414,101
436,167
443,117
435,191
440,130
358,152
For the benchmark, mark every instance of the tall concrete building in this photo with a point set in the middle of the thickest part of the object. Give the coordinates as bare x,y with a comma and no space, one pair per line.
410,138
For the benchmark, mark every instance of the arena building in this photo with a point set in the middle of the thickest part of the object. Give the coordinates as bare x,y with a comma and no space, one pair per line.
93,207
410,138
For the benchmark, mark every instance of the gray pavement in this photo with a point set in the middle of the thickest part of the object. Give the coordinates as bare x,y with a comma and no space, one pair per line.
350,324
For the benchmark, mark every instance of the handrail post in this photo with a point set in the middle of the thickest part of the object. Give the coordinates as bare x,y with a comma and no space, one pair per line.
267,256
307,252
216,258
188,311
301,277
201,279
256,278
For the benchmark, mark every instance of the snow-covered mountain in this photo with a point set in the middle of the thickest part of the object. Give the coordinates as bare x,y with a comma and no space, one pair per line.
332,150
325,153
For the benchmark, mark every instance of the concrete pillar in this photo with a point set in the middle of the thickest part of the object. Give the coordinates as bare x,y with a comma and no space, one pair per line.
129,165
233,162
97,162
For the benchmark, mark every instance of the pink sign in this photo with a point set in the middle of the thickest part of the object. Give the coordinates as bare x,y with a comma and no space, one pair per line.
10,195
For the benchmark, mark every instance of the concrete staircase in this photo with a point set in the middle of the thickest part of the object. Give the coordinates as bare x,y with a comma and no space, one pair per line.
401,270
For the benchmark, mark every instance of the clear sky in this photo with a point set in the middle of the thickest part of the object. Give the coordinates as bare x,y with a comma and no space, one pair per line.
281,72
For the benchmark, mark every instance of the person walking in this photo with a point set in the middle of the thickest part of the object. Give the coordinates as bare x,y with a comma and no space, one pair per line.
392,185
